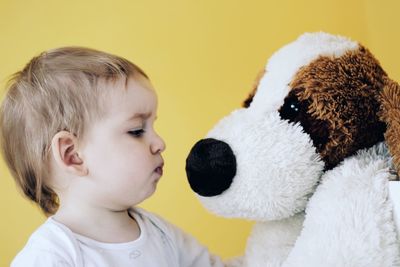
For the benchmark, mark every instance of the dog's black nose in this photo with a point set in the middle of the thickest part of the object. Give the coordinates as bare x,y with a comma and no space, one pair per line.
210,167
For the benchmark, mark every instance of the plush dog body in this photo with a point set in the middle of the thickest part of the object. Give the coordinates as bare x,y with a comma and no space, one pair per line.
307,158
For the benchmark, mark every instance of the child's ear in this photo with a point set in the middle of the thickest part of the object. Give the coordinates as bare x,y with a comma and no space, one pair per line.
64,147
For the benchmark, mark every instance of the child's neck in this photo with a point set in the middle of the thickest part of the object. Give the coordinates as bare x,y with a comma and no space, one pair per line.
100,224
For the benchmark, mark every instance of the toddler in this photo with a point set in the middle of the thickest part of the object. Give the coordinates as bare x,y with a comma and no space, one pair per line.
77,135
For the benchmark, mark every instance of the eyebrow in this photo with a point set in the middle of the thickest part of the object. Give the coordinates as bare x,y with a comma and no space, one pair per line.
140,116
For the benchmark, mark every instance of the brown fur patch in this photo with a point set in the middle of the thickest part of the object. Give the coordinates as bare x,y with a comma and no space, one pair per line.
390,98
343,92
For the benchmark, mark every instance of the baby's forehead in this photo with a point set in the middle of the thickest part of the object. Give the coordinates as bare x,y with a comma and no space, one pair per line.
133,99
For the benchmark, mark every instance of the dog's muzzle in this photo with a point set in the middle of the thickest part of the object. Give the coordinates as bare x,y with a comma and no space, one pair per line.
210,167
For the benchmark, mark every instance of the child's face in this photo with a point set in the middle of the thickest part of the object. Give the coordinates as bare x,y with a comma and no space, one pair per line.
122,151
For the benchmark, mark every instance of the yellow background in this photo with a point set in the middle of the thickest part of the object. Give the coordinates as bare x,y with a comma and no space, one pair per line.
201,56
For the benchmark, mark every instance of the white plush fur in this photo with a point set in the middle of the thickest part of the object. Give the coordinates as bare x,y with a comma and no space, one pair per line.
348,221
271,242
277,167
353,213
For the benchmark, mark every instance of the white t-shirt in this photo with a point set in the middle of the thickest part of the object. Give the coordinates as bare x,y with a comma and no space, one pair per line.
160,244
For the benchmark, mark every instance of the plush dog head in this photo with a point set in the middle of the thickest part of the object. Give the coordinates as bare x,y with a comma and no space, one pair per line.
320,99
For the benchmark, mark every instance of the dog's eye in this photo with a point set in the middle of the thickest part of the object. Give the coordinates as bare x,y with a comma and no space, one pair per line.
290,108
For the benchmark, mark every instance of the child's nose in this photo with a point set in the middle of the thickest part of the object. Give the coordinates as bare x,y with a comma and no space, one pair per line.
158,145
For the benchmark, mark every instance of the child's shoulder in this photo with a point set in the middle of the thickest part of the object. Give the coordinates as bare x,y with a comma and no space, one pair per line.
149,218
51,243
184,247
156,224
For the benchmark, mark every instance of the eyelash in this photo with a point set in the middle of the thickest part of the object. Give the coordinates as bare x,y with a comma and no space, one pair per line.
137,133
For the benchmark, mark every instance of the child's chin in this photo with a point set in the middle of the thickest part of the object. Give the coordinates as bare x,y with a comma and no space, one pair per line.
152,190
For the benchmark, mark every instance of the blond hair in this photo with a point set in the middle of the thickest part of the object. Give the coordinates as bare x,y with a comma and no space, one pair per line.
57,90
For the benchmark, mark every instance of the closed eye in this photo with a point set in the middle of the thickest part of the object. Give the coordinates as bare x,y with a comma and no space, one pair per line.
137,133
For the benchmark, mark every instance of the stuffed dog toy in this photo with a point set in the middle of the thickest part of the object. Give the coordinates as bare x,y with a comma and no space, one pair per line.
310,157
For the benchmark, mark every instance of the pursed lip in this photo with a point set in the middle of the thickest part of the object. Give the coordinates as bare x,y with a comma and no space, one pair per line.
159,169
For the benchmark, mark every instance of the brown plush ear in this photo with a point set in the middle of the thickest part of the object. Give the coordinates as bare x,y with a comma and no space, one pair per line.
390,98
249,99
